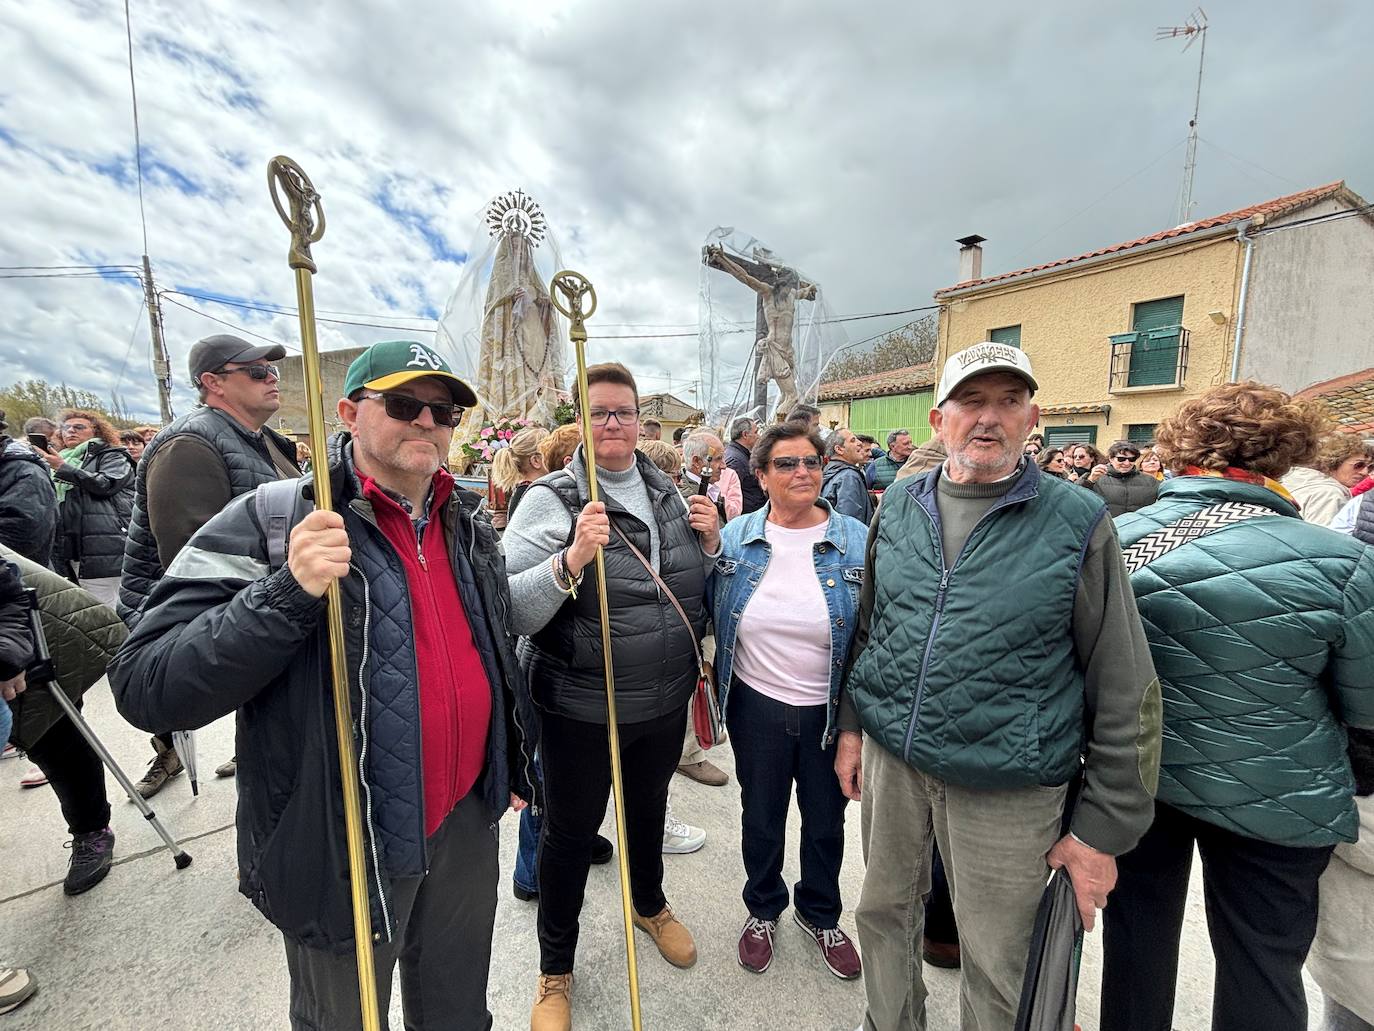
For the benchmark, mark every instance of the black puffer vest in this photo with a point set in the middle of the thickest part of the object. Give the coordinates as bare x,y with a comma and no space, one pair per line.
655,663
245,459
1364,519
94,515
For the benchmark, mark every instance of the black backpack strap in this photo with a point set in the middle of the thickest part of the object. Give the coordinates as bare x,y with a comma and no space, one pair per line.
279,507
1188,529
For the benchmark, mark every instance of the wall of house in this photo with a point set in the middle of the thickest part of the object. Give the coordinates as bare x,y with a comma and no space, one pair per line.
836,412
292,418
1066,318
1310,315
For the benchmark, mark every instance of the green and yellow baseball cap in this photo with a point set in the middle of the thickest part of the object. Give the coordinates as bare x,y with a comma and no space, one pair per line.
393,362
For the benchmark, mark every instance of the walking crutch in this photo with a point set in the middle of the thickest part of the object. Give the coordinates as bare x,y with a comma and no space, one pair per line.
42,672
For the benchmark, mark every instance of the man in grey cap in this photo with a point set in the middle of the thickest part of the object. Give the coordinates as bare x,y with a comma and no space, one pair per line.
998,659
191,470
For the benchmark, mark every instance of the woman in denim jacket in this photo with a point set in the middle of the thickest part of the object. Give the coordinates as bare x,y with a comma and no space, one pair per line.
786,571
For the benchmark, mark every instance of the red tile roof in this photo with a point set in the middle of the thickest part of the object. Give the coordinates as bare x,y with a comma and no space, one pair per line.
1269,209
1350,399
880,384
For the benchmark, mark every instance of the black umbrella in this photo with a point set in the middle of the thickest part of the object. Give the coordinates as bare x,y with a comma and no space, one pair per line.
1049,991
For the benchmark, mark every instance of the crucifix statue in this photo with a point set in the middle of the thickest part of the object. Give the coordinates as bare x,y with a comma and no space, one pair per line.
779,289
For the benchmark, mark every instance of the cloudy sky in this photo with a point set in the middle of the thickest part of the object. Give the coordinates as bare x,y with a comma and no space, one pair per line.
857,140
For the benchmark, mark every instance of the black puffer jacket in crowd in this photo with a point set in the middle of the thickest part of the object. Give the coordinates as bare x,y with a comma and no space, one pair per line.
16,647
1128,493
28,502
96,510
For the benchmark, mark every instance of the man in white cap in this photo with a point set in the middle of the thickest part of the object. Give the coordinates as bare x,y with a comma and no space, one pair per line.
998,661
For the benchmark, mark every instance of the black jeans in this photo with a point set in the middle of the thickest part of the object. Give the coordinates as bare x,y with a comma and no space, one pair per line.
443,941
940,926
577,785
776,745
76,775
1261,914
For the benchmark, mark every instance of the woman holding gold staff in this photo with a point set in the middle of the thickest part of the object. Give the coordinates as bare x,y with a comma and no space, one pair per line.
550,544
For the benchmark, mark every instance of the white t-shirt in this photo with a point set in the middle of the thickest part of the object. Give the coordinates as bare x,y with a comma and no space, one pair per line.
782,644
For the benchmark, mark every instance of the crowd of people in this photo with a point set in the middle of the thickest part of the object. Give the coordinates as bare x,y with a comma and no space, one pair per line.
1034,658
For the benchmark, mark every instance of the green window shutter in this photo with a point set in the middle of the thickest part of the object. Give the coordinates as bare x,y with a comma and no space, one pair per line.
1063,436
1141,433
879,416
1006,335
1154,356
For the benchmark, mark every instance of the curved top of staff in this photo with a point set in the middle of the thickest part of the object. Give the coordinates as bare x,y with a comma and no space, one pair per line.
305,218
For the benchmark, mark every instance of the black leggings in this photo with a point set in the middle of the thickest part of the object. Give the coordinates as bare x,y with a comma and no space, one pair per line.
75,773
577,785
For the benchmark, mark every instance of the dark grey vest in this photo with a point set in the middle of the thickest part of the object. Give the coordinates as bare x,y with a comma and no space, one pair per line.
1364,519
247,462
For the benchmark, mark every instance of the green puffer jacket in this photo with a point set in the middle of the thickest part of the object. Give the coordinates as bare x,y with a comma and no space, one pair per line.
83,636
1263,638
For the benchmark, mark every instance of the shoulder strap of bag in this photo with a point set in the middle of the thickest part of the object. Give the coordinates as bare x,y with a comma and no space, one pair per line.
1188,529
276,504
691,630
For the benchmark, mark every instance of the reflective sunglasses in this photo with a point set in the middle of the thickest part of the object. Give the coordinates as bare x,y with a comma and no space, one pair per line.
255,372
405,408
789,463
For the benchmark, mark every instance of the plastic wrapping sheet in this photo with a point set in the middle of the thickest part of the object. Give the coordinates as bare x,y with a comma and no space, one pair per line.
499,328
754,302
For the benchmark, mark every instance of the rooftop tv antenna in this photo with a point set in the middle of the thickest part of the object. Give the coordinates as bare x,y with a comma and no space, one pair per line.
1193,30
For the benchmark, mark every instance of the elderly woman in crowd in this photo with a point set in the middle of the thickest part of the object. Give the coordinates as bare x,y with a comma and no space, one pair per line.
1321,486
658,551
94,476
1150,464
786,571
1262,631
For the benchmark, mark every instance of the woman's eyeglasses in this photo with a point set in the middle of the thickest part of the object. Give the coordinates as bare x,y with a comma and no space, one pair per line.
257,373
407,409
789,463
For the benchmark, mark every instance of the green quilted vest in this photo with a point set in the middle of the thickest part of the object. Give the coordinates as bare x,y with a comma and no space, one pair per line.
969,673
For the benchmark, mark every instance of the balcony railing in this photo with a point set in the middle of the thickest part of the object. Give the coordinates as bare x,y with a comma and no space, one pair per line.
1149,358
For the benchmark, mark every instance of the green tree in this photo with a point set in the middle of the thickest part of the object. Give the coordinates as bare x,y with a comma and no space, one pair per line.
913,344
27,398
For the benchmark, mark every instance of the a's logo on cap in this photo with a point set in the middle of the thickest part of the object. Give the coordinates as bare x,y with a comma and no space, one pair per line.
424,357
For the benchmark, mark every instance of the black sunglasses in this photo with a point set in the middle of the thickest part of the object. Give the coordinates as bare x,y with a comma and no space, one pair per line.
407,408
255,372
789,463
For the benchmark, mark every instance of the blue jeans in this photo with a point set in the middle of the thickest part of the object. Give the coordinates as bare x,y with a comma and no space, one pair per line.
6,720
526,875
776,745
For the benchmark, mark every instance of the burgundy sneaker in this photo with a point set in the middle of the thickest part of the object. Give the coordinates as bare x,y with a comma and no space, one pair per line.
756,944
840,956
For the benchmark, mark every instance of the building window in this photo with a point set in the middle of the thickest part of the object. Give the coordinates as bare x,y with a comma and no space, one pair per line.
1155,352
1006,335
1141,434
1063,436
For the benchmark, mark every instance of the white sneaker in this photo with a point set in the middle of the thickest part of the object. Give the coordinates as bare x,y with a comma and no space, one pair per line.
34,778
680,838
10,752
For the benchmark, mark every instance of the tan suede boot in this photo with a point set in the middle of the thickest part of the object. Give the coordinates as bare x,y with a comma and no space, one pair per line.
552,1003
674,941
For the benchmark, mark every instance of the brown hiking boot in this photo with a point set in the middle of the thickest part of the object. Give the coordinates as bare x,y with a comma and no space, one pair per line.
705,772
674,941
552,1003
164,766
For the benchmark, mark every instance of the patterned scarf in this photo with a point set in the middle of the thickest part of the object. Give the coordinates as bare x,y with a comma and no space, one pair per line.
1244,476
72,456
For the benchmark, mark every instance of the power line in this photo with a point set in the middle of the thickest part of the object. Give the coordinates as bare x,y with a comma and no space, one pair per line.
248,332
138,141
116,276
62,268
285,311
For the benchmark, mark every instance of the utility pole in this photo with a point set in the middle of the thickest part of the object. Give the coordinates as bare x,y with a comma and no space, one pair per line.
1194,29
162,365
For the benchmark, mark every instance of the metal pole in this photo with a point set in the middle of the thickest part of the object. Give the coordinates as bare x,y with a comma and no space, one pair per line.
162,366
567,289
301,219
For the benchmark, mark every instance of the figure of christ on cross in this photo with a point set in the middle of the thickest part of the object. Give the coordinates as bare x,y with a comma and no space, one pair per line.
779,288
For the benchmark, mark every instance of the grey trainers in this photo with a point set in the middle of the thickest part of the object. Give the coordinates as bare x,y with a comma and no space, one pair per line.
227,769
164,766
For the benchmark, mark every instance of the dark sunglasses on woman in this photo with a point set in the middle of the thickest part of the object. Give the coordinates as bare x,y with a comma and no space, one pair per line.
407,409
788,463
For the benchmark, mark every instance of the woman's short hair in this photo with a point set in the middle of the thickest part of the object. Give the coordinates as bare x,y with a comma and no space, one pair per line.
1247,425
102,426
663,455
1336,449
559,445
130,437
776,434
612,372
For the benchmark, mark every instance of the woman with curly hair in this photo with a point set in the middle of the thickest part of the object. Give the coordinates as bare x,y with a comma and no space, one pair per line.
1322,487
1262,632
94,477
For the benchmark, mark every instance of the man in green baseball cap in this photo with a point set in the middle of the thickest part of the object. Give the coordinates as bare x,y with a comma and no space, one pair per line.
442,752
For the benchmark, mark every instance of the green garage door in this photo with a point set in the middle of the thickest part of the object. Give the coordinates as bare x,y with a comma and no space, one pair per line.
879,416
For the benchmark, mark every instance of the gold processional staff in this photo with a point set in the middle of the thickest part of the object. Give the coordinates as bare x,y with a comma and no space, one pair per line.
304,216
568,290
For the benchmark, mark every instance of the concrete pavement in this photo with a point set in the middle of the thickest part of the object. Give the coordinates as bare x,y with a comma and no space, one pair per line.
153,947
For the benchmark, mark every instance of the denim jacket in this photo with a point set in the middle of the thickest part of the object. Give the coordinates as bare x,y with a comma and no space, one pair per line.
745,552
